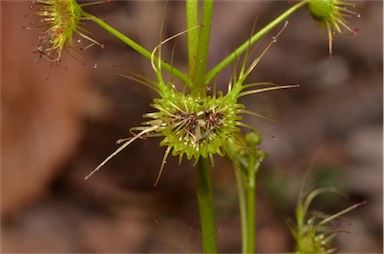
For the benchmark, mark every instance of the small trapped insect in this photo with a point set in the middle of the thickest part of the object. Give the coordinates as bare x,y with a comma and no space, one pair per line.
213,119
208,90
44,48
63,21
192,123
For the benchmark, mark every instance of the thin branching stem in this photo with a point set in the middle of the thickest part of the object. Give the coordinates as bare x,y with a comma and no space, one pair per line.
244,47
174,71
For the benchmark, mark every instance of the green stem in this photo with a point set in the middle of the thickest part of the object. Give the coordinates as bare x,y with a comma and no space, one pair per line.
249,183
200,64
242,207
192,11
197,58
240,50
250,186
205,202
177,73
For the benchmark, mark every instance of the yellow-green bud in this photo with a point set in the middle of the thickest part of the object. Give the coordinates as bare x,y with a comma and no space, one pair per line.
332,15
320,9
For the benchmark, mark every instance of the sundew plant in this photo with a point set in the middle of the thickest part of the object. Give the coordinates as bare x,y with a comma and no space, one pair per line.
198,122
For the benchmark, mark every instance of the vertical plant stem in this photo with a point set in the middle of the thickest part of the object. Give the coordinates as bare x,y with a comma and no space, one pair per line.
242,207
254,166
197,59
251,203
192,16
200,65
205,203
251,214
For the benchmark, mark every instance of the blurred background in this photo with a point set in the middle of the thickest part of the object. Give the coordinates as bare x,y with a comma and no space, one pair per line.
58,122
